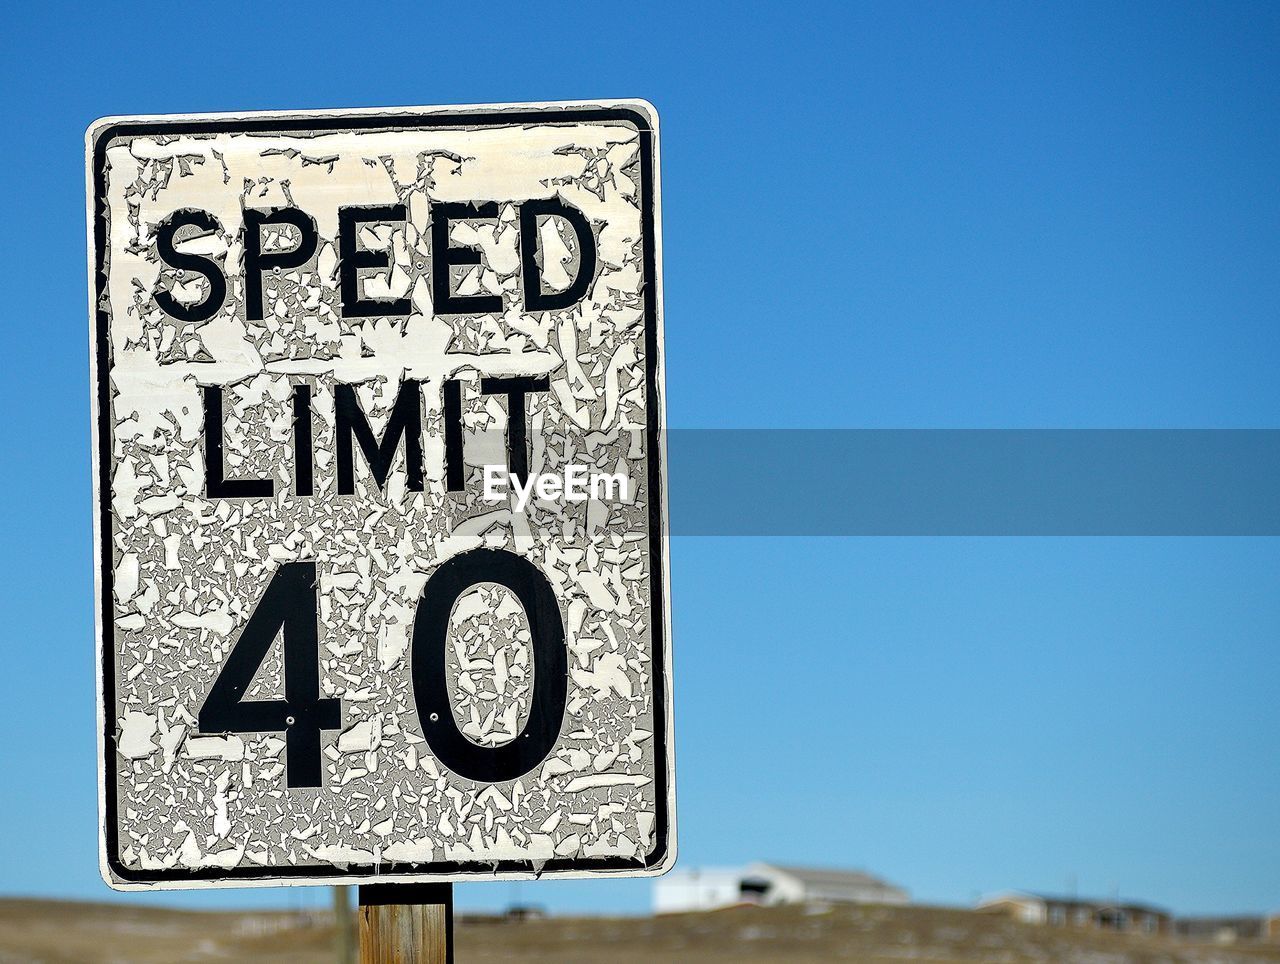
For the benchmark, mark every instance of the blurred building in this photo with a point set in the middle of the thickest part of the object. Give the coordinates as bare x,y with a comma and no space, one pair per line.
1222,930
1078,912
769,884
1230,929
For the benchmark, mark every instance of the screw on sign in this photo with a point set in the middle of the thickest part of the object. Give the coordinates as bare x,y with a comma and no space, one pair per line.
331,650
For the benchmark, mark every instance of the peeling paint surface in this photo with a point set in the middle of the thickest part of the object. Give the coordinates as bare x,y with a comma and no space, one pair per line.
185,571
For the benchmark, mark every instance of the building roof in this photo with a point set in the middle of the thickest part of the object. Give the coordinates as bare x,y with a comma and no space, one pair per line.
1074,901
1103,903
826,877
699,873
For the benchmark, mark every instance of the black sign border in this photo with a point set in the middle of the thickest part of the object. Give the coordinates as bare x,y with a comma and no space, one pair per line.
390,120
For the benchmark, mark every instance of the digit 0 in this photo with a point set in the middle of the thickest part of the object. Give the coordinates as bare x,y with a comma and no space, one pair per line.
489,764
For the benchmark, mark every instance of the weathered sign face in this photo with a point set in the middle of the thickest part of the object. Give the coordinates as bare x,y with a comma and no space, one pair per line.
380,496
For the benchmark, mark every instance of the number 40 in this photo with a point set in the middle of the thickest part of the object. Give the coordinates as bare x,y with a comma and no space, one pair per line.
289,606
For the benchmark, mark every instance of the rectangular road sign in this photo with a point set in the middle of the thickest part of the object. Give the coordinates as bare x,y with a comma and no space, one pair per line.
380,496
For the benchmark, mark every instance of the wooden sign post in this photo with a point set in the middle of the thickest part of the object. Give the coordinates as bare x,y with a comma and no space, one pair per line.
406,924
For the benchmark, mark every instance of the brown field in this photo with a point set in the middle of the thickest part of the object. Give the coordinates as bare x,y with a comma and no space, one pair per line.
40,930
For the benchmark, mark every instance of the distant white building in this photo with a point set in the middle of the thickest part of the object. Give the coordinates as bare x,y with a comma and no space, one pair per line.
769,884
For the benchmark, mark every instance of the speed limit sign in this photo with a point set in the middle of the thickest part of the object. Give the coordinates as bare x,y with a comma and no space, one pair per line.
380,496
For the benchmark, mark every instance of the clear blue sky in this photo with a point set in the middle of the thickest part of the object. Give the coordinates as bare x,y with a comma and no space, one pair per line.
997,215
